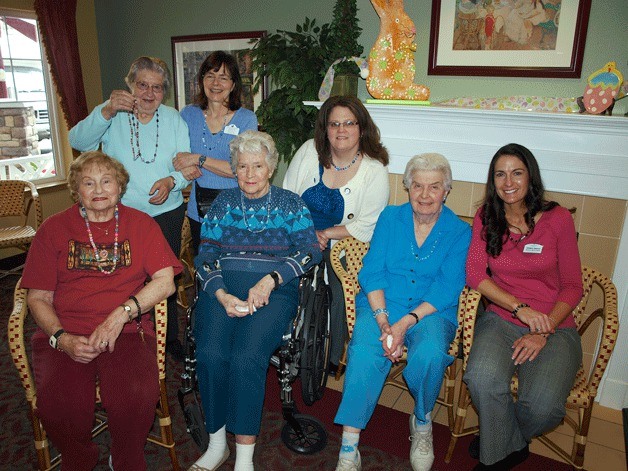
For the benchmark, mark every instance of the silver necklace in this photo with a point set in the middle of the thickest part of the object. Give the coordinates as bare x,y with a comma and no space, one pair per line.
134,123
267,218
346,167
425,257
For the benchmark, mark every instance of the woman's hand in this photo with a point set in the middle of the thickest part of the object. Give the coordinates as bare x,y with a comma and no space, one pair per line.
323,239
185,159
78,348
538,322
527,348
398,331
104,337
161,189
231,304
120,100
191,173
259,294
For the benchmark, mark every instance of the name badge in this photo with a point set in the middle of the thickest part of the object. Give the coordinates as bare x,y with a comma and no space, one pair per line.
532,248
232,129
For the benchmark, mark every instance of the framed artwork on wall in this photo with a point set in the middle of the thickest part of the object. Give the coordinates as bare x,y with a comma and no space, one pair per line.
508,38
188,53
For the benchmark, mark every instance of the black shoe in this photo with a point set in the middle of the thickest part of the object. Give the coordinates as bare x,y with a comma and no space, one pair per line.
175,349
474,448
333,369
512,460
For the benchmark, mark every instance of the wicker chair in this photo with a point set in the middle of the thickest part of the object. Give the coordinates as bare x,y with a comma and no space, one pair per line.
585,387
186,257
15,203
353,250
18,352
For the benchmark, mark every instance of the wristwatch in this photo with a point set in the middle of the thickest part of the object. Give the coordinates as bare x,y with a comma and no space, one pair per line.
54,338
201,161
127,310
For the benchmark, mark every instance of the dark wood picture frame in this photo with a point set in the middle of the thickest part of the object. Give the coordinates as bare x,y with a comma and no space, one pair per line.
188,52
443,60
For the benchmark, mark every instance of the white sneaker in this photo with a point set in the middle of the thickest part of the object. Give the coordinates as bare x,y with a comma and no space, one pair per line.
422,448
348,465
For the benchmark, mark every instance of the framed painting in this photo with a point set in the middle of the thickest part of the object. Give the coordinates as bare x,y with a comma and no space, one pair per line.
508,38
189,52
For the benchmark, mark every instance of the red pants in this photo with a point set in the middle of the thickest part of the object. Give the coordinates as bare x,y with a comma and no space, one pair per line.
66,395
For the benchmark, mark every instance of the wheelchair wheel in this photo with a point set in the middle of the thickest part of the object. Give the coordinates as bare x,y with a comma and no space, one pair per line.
312,437
315,342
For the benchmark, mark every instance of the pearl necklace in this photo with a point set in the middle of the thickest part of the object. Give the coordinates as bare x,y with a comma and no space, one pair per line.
268,204
134,123
103,252
346,167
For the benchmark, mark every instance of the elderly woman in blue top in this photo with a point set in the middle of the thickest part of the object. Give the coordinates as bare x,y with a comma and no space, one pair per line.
135,128
257,239
411,281
215,118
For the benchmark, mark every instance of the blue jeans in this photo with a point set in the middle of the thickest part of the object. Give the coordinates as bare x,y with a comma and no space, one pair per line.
367,368
544,384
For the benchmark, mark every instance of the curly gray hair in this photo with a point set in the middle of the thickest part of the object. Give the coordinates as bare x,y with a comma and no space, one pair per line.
425,163
149,63
254,142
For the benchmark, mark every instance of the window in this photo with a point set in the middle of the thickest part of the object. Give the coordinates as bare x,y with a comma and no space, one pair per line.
27,108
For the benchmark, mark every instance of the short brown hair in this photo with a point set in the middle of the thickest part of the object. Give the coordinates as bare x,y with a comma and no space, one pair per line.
96,157
370,141
214,62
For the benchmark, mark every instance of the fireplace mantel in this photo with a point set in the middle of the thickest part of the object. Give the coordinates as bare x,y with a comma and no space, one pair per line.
579,154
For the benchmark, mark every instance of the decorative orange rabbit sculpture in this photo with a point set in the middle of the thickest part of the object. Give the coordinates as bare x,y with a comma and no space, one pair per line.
391,60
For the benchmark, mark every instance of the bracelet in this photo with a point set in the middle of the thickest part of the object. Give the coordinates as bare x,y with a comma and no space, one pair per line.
517,309
381,310
174,183
416,317
138,319
275,276
201,161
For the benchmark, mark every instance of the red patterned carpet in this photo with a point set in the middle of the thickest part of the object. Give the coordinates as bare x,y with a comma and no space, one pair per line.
384,444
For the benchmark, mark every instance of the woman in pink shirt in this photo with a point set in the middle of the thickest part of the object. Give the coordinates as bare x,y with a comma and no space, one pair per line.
524,259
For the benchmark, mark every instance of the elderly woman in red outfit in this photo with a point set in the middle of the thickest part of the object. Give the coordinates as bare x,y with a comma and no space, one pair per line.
86,273
524,259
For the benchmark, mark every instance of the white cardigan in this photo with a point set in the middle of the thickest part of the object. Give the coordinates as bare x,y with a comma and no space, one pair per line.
365,195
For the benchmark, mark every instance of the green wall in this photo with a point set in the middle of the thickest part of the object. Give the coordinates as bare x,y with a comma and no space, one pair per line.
129,28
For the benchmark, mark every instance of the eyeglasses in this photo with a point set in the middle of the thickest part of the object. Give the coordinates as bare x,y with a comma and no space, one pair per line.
143,86
221,78
346,124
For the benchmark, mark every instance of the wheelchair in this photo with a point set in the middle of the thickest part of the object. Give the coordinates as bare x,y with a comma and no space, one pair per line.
303,354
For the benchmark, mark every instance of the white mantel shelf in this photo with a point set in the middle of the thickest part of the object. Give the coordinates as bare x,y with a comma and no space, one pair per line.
579,154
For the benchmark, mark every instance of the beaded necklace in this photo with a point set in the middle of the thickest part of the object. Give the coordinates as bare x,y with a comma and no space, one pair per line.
346,167
425,257
268,204
219,133
134,123
103,252
516,241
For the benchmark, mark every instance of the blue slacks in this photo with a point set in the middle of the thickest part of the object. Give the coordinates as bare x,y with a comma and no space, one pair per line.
367,367
544,384
233,354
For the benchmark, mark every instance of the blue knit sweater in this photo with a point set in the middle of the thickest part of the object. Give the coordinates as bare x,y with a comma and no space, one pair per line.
271,233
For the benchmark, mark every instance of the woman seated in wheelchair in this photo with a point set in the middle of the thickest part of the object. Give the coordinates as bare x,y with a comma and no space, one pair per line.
411,281
86,273
528,246
256,240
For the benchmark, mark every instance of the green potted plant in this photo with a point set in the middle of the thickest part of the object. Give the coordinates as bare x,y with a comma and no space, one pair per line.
296,63
345,32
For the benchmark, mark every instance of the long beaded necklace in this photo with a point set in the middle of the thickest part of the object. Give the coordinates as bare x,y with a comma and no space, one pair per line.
346,167
134,123
268,205
219,133
103,253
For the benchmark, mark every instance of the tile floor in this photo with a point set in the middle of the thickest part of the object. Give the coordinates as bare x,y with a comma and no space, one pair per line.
605,447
